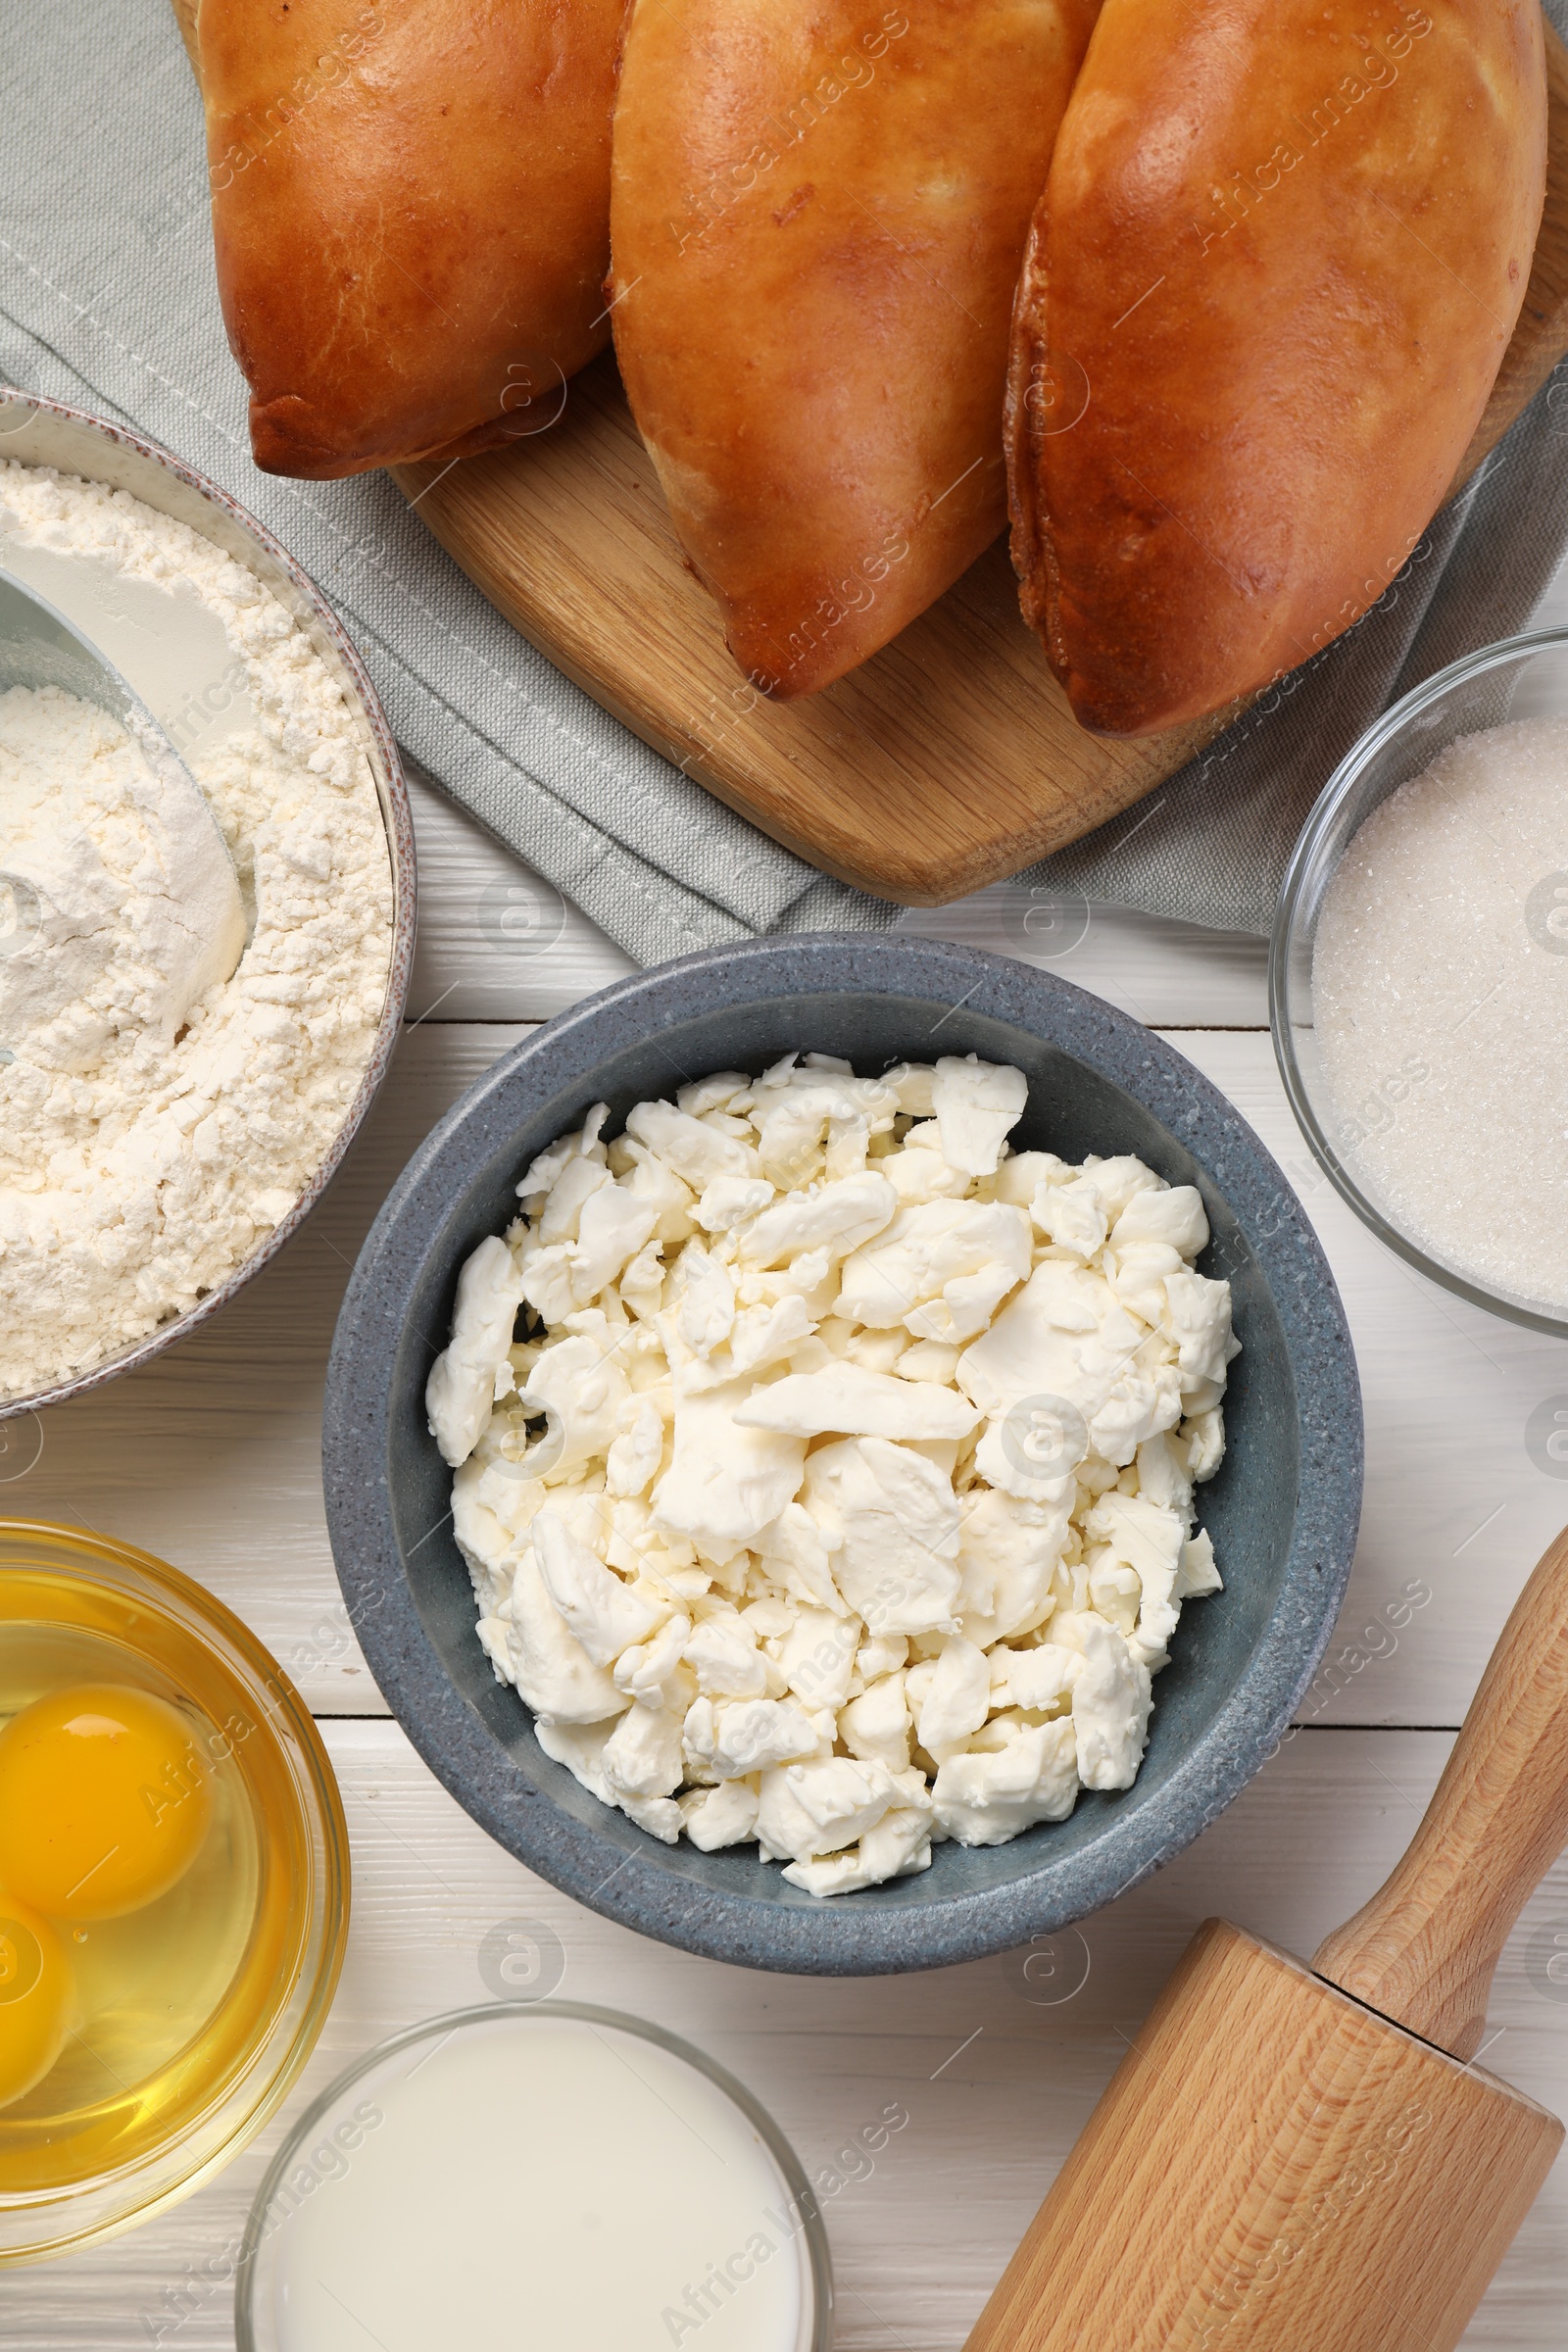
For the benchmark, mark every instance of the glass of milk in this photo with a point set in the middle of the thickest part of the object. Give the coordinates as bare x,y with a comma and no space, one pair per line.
535,2174
1418,979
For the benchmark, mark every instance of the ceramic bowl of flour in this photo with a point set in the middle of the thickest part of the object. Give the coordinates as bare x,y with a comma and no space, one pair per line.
1282,1511
1418,979
161,1135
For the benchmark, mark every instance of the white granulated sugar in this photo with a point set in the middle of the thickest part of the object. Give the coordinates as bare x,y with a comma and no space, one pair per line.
150,1138
1439,984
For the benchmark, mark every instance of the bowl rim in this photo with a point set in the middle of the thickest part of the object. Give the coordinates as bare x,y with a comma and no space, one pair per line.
333,1893
392,796
621,1879
819,2264
1301,874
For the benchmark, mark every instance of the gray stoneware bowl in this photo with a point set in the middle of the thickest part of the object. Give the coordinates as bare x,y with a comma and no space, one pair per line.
1283,1511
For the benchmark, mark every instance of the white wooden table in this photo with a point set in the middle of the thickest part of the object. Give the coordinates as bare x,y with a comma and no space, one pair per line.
210,1457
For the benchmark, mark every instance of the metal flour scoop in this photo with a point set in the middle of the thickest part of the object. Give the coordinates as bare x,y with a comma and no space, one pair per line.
60,899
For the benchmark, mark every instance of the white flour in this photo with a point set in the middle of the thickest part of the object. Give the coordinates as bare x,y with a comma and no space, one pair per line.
141,1162
122,907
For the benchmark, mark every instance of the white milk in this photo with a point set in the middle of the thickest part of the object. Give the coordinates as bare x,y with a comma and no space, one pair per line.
540,2181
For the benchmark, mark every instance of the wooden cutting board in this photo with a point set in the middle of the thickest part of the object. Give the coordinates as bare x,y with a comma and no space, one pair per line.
948,761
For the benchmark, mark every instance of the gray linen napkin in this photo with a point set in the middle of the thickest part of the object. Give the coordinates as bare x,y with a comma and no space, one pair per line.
108,301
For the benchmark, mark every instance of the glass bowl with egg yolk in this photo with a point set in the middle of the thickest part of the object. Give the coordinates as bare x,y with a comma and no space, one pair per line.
174,1887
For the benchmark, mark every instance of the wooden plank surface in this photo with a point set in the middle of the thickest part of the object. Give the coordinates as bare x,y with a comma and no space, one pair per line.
995,2085
946,761
210,1456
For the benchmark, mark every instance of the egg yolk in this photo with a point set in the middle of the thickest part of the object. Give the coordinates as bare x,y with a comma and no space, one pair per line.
105,1801
36,1997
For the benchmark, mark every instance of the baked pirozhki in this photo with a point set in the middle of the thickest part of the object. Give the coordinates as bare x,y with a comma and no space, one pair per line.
1279,256
411,211
816,223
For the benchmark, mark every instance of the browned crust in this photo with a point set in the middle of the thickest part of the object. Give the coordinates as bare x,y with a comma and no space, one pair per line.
1287,241
816,221
410,217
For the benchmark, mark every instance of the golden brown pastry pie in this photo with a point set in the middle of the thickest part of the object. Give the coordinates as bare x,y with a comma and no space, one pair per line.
411,208
1277,263
818,216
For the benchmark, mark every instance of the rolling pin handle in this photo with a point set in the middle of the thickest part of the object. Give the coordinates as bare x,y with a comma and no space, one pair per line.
1423,1950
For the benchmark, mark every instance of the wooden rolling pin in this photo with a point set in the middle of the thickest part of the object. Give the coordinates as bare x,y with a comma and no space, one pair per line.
1290,2160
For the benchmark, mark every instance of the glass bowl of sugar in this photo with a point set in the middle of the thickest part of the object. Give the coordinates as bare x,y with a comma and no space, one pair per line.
1418,979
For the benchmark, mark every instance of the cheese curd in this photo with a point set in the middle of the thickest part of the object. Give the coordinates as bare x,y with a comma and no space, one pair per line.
839,1496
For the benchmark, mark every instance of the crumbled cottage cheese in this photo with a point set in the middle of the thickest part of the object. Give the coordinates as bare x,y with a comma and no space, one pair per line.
150,1138
861,1514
